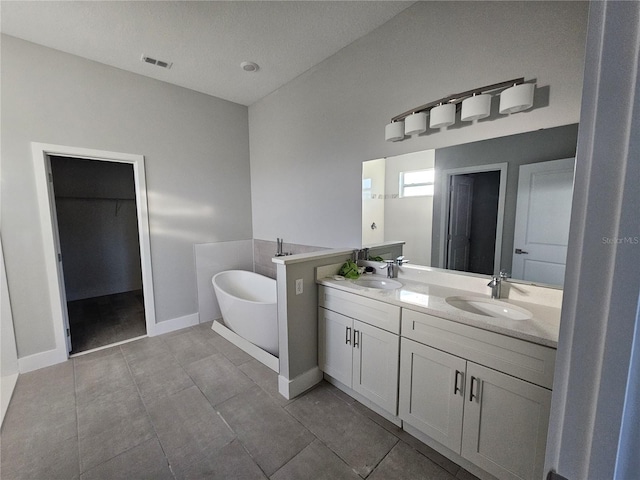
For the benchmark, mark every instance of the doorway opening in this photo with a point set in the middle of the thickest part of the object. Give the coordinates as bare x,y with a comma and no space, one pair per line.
95,206
53,255
473,211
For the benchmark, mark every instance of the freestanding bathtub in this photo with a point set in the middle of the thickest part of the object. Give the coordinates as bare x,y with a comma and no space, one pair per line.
248,302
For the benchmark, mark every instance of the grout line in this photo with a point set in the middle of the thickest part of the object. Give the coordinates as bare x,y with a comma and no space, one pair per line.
155,432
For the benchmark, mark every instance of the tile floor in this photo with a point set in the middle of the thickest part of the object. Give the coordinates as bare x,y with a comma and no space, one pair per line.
99,321
190,405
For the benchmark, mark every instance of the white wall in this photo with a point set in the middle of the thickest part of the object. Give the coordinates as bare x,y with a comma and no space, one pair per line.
372,203
409,218
309,137
197,170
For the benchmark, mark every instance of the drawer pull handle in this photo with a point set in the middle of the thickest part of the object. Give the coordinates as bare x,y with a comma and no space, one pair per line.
456,388
348,336
356,338
471,394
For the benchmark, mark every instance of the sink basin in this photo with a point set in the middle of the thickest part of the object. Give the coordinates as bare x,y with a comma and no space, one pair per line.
489,308
380,283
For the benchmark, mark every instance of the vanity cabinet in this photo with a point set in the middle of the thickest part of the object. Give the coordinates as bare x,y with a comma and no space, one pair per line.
458,386
359,345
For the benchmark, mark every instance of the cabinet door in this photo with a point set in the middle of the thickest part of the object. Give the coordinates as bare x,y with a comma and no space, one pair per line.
505,424
375,365
432,392
335,333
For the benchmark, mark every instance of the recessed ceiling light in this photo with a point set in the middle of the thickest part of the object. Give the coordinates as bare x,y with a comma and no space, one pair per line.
249,66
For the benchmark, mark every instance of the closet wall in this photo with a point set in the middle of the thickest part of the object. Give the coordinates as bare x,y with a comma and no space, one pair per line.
96,210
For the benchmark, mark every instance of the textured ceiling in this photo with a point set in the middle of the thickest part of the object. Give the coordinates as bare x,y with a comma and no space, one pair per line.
205,40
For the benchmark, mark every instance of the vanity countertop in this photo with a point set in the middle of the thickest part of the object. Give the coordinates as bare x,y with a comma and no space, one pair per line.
542,328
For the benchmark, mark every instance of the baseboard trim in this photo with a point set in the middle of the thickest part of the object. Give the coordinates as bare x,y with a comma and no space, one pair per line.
174,324
41,360
294,387
262,356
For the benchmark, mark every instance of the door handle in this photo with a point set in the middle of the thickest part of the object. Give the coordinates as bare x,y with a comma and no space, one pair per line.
456,388
348,336
356,338
471,394
521,252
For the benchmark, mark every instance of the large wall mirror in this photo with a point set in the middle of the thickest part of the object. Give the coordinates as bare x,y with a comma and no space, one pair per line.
502,203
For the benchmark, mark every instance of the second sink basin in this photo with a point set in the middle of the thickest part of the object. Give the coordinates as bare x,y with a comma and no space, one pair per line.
489,308
380,283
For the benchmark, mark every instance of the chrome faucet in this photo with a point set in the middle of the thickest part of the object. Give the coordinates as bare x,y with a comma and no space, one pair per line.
392,266
496,284
279,252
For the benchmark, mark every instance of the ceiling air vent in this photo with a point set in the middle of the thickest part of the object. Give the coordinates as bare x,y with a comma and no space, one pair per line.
153,61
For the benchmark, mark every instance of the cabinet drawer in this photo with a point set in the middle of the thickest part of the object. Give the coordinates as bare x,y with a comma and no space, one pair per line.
528,361
373,312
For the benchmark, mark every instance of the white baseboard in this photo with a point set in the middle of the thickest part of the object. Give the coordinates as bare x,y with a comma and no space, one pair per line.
55,356
7,385
294,387
41,360
175,324
262,356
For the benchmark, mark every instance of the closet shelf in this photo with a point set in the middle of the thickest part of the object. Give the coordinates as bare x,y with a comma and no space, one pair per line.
69,197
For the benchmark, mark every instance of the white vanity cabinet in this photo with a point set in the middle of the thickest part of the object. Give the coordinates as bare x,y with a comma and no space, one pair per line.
483,395
359,345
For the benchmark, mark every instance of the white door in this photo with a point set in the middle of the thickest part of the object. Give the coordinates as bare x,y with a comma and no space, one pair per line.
375,365
335,334
432,392
542,221
56,241
461,197
505,424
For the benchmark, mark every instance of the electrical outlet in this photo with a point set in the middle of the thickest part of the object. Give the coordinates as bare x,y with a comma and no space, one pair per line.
298,286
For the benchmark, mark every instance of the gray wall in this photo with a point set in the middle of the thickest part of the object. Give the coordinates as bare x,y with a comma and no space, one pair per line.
309,137
516,150
97,224
196,159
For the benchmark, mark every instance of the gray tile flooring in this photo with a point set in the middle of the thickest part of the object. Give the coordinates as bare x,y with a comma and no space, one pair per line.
190,405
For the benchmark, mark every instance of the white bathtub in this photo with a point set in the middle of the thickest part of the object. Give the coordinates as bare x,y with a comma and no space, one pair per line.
248,304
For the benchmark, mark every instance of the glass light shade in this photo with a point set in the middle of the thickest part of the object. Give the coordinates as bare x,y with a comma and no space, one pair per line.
442,115
474,108
415,123
394,131
517,98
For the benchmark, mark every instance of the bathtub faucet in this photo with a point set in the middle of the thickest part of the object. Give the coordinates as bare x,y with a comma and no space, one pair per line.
279,252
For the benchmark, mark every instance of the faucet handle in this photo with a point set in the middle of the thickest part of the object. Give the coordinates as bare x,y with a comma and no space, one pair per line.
400,260
504,274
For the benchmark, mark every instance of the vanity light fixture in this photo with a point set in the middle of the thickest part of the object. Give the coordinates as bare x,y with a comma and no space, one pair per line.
515,96
394,131
442,115
415,123
475,108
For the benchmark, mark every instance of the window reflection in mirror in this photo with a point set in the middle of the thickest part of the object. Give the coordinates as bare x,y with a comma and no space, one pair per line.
533,247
